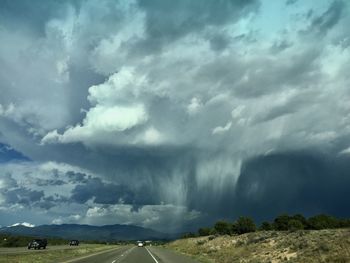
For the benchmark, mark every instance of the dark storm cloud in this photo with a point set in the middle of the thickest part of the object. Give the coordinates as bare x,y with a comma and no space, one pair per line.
300,71
22,196
44,182
169,20
323,23
307,182
281,46
52,201
32,15
9,154
293,182
76,177
280,73
147,168
291,2
180,17
101,192
219,42
293,105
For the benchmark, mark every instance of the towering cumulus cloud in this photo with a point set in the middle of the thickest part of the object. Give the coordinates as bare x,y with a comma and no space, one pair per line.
173,114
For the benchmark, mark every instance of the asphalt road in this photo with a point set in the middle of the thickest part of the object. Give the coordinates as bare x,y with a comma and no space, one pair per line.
136,255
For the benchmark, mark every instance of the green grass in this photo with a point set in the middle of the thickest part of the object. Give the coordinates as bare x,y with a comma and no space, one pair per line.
56,256
312,246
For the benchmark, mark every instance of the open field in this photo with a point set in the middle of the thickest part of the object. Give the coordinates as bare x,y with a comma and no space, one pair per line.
270,246
51,254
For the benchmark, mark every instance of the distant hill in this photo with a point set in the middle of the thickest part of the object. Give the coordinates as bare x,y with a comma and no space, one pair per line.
88,232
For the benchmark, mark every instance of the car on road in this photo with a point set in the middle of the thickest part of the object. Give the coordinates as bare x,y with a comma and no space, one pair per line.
37,244
74,242
140,244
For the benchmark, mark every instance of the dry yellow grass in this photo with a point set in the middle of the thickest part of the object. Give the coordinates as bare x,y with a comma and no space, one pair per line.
270,246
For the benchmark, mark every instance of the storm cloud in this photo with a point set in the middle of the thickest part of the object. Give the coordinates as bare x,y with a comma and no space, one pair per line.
172,112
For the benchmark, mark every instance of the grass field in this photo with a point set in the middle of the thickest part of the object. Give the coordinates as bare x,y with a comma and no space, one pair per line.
54,255
313,246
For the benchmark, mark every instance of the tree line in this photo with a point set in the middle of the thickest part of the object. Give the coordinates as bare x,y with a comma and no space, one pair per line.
283,222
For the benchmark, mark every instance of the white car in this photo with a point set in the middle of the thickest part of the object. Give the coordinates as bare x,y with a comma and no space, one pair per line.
140,244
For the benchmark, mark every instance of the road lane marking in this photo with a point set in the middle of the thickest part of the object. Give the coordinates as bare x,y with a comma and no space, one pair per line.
151,255
91,255
122,255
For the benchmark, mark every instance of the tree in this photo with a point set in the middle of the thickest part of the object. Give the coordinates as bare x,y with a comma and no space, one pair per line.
302,219
223,228
295,224
323,222
204,231
281,222
244,225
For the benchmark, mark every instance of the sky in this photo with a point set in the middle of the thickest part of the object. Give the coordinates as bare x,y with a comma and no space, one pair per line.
173,114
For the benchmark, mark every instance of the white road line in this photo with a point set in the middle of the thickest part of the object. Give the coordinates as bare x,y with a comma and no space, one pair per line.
151,255
90,255
122,255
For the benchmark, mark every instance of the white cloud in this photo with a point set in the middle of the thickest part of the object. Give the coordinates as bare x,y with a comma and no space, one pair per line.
237,112
101,120
51,178
6,111
221,130
151,136
71,219
345,151
57,221
117,108
194,106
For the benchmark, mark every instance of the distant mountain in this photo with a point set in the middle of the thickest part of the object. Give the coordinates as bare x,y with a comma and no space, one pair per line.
88,232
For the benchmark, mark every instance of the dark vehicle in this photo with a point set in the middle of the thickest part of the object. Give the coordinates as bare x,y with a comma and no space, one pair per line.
74,243
37,244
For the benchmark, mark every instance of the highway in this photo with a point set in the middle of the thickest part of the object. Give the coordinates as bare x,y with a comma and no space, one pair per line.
136,255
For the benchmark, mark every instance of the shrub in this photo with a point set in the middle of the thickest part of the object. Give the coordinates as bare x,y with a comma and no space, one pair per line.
244,225
201,242
188,235
344,223
266,226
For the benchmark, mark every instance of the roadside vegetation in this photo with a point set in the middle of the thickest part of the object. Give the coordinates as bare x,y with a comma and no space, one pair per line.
301,246
10,240
320,238
7,240
283,222
59,255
